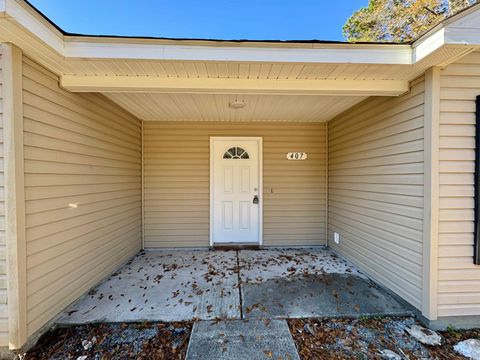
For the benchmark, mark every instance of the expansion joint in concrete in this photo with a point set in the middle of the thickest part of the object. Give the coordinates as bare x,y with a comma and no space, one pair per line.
239,286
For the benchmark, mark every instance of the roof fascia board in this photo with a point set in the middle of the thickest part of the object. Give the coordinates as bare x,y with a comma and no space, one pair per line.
234,86
451,32
390,55
462,36
428,45
451,37
22,14
12,32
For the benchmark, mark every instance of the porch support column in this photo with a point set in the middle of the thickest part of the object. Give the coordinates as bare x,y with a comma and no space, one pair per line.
431,193
14,195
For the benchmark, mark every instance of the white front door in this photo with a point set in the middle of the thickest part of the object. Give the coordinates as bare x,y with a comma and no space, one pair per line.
235,190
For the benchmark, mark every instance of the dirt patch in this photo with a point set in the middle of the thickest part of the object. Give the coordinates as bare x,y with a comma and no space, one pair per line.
335,339
115,341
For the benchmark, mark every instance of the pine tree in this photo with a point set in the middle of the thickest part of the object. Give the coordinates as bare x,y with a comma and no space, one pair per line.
399,20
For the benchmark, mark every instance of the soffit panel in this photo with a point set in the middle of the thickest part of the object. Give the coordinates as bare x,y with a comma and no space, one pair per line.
213,107
235,70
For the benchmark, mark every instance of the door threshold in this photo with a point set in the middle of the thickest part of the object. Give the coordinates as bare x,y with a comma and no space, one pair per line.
236,246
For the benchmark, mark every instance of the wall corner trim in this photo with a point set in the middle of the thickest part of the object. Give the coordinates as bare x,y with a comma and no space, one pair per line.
476,230
15,196
143,187
326,183
431,193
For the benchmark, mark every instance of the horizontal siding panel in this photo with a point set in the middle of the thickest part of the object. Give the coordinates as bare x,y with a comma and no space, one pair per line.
398,211
379,197
458,287
82,188
108,231
456,263
456,215
455,238
398,126
177,182
459,310
457,155
57,203
35,127
109,134
411,136
375,189
457,118
468,272
36,233
373,224
36,141
56,269
379,107
381,189
66,234
459,279
91,273
48,192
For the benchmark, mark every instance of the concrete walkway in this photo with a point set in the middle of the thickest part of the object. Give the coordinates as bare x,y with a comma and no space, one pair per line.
208,285
241,340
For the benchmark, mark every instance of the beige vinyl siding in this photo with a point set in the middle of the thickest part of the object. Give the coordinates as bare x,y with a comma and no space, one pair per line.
459,279
3,250
82,190
176,178
375,189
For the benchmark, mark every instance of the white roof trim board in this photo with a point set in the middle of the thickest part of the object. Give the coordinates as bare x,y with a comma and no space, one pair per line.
382,54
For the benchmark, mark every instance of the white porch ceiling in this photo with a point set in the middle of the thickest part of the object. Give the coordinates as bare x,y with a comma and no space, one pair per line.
215,107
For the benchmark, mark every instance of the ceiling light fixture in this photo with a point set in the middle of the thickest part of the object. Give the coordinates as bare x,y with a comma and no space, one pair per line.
237,104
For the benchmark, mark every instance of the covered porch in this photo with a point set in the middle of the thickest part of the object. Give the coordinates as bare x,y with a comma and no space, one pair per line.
111,172
116,146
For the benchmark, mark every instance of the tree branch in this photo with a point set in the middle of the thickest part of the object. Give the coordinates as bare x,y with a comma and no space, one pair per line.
431,11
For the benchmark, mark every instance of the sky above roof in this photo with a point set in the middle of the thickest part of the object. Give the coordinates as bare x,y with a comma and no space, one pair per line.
208,19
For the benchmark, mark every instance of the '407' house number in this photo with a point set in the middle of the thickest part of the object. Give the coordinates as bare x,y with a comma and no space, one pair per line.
297,156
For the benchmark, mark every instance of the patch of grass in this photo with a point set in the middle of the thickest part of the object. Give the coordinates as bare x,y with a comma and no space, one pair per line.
451,329
453,332
370,320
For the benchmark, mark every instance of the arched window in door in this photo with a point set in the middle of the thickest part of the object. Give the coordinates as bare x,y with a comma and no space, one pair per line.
236,153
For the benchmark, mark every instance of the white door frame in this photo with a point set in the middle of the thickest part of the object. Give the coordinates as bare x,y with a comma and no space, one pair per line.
259,140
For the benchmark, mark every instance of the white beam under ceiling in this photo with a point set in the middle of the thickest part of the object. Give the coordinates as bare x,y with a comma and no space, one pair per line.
146,84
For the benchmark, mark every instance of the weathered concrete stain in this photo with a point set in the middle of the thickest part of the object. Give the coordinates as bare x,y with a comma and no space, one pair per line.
325,295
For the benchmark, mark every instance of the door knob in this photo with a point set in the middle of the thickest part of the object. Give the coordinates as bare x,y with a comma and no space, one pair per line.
255,199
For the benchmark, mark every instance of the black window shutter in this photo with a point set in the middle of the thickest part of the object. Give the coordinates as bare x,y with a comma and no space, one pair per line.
476,231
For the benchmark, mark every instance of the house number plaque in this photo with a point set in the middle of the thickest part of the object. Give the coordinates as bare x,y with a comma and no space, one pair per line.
296,156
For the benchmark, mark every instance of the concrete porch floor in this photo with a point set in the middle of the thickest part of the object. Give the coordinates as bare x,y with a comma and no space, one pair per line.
206,285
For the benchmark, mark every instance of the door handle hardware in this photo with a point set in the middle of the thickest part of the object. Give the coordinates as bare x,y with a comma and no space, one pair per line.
255,199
